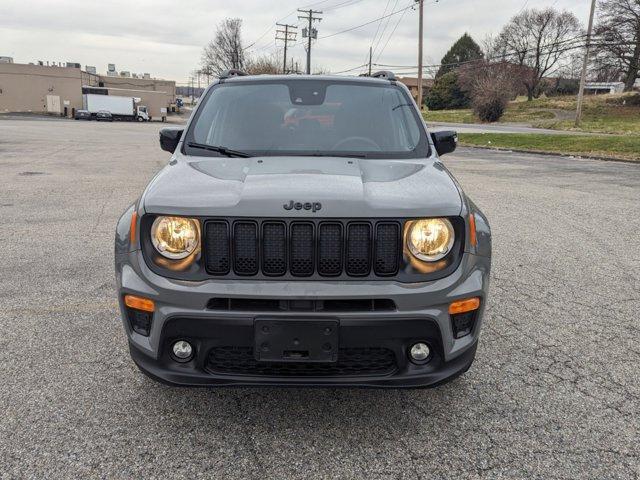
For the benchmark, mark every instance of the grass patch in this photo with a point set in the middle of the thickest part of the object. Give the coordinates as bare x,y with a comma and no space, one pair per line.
463,115
619,114
624,147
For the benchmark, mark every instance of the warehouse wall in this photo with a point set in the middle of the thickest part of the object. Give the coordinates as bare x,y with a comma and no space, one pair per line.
168,87
24,88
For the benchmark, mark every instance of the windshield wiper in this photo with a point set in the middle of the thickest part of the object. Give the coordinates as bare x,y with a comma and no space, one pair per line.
401,105
223,150
338,155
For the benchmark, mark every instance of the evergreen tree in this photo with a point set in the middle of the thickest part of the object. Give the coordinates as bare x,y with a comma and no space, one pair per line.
464,50
446,94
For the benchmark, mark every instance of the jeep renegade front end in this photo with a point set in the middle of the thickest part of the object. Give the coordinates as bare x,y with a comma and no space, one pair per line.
304,232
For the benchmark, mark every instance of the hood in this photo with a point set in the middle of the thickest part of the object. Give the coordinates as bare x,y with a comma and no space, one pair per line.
262,186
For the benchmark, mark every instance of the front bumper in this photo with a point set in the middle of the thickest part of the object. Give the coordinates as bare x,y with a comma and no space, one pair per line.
421,314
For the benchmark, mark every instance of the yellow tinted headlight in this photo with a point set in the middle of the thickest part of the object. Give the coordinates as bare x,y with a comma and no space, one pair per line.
430,239
175,237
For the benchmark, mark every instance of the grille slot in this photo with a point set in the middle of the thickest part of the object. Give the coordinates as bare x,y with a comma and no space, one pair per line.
358,249
217,248
387,248
245,248
274,248
351,362
330,249
302,257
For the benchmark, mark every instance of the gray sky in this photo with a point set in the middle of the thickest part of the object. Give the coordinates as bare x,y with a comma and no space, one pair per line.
165,37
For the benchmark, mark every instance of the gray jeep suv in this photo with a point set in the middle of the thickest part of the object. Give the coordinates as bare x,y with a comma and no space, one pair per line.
304,232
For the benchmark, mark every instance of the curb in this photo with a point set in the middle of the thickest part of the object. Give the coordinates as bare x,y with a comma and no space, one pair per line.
552,154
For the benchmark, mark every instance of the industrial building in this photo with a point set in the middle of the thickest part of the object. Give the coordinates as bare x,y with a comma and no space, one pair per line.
57,89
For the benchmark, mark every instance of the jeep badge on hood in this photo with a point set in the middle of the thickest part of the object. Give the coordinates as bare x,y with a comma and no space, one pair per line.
314,207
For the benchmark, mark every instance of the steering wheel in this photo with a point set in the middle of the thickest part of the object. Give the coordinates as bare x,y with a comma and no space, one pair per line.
362,140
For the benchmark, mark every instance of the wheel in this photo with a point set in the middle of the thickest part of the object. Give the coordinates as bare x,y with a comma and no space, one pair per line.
140,119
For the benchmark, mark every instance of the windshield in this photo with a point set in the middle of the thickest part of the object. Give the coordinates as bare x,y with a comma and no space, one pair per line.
309,117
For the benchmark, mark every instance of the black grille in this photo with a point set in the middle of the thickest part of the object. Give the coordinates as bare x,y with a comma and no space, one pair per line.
245,248
351,362
330,249
358,249
217,248
275,248
387,255
302,249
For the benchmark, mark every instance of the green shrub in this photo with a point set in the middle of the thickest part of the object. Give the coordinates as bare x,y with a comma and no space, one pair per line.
446,94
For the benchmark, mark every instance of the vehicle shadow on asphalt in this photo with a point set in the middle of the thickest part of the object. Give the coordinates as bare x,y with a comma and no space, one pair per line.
315,409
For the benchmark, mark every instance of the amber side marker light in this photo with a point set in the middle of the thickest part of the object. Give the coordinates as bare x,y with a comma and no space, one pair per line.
132,228
463,306
139,303
473,237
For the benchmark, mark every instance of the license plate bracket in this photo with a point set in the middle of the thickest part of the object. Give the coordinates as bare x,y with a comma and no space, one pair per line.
296,340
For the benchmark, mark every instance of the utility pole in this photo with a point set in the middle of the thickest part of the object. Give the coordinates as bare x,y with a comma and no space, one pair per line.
286,36
370,56
309,32
420,35
585,62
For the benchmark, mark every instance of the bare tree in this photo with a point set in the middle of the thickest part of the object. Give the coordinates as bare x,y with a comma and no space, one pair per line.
618,38
269,65
605,68
538,40
225,51
490,85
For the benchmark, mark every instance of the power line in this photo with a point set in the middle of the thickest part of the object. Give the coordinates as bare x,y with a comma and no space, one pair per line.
386,25
349,69
365,24
570,44
271,27
384,12
393,32
337,6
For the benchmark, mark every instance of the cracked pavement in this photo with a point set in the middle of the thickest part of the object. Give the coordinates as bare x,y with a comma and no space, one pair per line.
554,392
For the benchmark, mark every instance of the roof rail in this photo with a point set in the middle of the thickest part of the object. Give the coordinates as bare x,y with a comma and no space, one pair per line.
232,73
384,74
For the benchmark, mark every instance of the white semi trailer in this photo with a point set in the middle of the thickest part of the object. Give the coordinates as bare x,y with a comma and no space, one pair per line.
121,108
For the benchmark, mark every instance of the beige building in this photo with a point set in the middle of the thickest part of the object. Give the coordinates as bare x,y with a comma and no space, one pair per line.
412,85
58,90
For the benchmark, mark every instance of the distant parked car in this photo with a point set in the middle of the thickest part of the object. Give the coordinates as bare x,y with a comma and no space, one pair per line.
104,116
82,115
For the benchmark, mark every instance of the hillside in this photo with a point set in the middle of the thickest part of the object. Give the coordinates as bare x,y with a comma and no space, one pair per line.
618,114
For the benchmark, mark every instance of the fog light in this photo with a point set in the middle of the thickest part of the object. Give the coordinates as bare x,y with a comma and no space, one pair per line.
182,351
420,352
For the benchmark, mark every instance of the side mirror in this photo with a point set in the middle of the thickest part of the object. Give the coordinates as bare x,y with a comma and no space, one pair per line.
170,137
445,142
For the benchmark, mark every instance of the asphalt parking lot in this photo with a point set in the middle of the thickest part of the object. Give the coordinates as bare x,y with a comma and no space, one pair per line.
554,392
